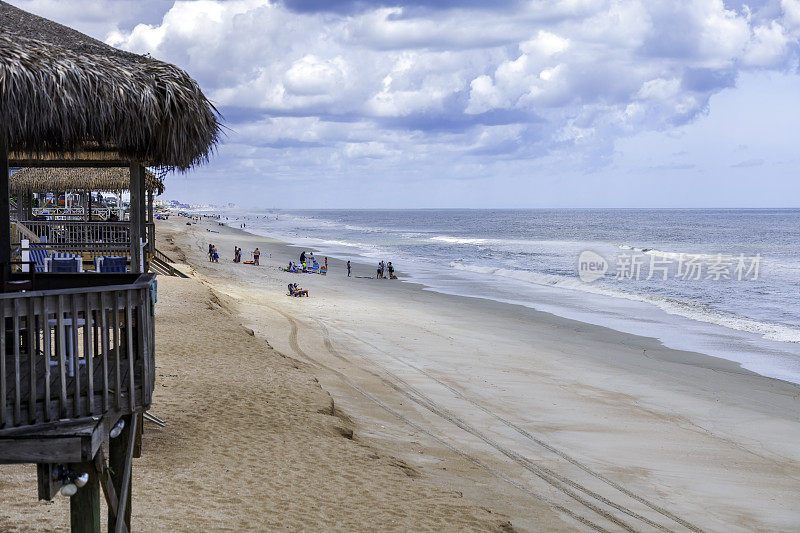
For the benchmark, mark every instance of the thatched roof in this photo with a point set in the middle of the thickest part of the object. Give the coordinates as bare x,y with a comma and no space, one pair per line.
64,95
35,179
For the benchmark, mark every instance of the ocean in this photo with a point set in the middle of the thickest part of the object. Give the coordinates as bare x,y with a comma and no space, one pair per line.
724,282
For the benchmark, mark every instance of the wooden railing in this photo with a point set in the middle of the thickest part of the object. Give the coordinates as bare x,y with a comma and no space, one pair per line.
20,231
70,231
87,250
75,352
160,263
88,239
73,213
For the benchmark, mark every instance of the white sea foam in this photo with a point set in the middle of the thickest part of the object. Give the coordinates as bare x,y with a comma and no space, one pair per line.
691,310
457,240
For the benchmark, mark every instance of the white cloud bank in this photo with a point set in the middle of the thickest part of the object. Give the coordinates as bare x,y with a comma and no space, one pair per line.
439,88
589,70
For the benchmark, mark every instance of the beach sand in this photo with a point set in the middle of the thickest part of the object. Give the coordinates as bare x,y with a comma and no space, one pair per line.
252,442
450,413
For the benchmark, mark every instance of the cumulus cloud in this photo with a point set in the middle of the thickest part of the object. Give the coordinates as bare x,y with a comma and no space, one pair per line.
322,83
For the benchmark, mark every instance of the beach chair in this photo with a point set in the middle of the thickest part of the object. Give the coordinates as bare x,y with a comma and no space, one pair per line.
39,256
62,262
107,264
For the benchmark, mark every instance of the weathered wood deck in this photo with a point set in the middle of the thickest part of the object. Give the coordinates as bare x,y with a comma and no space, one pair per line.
75,352
65,441
70,408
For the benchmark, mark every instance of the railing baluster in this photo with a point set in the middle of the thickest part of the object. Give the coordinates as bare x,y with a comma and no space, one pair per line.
129,335
151,326
116,332
32,415
142,338
17,390
88,353
76,360
47,354
104,344
3,375
61,349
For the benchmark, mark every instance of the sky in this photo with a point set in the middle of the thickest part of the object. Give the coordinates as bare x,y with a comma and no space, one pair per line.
475,103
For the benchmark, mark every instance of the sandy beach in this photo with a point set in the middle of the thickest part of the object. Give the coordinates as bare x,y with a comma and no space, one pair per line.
379,405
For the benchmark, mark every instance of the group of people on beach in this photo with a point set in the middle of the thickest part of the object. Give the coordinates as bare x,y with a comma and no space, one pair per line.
213,256
294,290
385,270
308,263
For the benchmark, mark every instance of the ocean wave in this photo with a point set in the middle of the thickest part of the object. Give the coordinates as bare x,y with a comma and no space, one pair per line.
458,240
681,255
515,245
690,310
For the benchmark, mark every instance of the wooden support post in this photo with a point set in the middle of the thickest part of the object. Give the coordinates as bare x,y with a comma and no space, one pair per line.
29,206
5,219
48,484
118,460
89,206
137,445
105,482
136,217
149,229
84,506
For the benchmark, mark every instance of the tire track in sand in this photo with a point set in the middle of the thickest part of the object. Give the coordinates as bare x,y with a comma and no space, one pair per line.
295,346
552,478
521,431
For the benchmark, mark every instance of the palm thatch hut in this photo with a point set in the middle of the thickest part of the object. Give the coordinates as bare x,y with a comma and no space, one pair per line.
51,179
67,100
65,95
84,180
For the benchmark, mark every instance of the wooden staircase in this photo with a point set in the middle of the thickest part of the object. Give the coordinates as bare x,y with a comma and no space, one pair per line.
160,264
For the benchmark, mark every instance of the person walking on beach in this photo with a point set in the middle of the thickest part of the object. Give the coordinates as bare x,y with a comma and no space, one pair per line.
391,271
303,256
210,252
348,269
256,255
326,264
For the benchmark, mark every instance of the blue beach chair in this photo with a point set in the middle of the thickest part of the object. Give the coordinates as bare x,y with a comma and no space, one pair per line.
39,256
62,262
111,264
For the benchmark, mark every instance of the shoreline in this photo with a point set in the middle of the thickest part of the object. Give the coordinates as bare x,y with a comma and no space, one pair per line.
470,389
629,313
675,355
